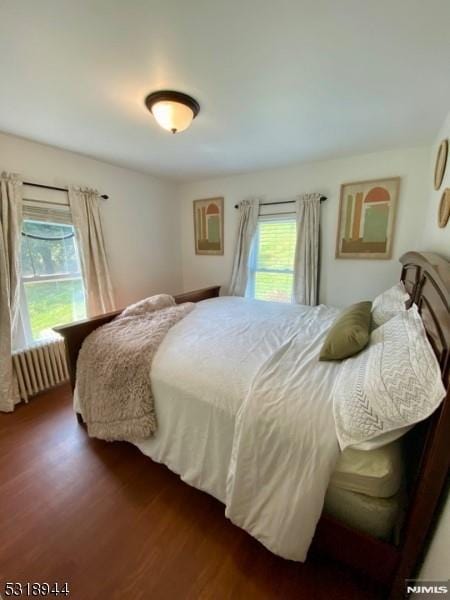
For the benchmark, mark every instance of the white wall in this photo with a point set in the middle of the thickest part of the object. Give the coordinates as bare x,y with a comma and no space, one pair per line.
344,280
435,238
437,561
140,219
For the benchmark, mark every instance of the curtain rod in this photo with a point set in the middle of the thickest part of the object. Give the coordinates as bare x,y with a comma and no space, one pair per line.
322,199
52,187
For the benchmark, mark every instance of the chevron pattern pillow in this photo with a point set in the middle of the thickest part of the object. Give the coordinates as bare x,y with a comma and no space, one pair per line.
389,303
394,383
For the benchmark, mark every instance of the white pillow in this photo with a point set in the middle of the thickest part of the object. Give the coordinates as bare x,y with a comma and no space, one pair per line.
383,439
389,303
394,383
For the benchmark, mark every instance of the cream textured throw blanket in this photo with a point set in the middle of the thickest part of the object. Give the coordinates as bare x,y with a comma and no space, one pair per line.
113,369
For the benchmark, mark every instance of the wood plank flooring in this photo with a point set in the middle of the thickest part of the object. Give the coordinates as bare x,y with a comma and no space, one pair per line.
117,526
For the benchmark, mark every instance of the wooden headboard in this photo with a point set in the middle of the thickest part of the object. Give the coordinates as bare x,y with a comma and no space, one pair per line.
427,279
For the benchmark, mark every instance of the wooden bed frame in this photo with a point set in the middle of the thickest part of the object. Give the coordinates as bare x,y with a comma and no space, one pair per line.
427,279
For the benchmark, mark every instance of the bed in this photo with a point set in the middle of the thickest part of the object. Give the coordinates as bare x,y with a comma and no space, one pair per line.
198,403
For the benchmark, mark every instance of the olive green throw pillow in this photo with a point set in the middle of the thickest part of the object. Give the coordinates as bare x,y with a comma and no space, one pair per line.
349,334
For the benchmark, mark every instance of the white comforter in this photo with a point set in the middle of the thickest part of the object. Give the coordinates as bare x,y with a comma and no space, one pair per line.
245,413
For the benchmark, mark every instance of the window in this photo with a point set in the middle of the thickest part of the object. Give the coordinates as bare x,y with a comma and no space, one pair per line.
271,264
51,279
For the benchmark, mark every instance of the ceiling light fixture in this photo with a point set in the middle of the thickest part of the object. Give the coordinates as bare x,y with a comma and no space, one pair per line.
173,111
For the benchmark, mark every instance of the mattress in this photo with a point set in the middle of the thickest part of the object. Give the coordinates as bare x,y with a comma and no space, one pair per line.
365,490
376,516
376,473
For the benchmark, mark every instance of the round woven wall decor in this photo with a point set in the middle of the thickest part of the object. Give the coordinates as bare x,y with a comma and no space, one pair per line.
441,162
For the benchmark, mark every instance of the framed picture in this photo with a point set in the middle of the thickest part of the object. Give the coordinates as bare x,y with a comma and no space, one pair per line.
208,226
367,218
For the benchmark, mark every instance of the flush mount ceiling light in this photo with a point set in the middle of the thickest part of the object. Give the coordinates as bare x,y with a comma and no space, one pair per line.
173,111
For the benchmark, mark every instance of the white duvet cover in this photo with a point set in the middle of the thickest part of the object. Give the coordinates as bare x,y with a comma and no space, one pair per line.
245,413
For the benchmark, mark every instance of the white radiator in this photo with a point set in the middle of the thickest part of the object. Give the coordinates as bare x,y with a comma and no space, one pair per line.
40,367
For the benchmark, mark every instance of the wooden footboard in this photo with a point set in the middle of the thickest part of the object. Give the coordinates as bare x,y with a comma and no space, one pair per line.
75,333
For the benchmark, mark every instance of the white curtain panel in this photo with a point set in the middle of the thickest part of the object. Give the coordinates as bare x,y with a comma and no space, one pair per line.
10,237
307,251
84,205
248,222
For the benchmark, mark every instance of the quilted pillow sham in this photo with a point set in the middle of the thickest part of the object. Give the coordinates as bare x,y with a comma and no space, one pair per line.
394,383
388,304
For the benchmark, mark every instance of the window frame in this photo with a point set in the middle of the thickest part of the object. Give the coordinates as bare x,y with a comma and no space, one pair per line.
50,277
254,253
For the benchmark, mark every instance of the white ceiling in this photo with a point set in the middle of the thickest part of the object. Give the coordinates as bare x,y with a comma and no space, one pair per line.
279,81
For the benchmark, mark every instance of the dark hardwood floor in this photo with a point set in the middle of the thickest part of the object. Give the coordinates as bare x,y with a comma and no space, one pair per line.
115,525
